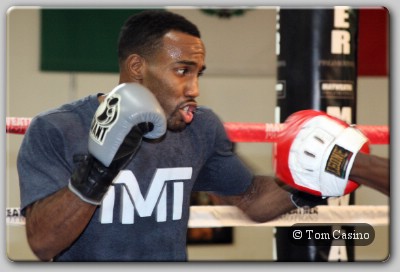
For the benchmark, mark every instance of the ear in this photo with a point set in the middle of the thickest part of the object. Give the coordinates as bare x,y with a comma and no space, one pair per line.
134,66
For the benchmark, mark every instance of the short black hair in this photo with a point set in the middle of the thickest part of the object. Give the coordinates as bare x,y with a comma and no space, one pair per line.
142,33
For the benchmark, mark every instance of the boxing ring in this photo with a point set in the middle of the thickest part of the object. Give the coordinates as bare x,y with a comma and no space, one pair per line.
230,216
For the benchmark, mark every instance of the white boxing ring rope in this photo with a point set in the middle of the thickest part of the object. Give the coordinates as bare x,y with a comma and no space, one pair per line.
229,216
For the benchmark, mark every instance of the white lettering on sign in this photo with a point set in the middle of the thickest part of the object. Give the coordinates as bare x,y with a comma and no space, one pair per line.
340,36
343,113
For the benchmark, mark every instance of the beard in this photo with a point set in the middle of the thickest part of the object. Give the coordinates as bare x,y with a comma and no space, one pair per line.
175,122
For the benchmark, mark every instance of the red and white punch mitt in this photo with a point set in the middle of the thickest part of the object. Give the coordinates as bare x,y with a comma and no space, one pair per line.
315,153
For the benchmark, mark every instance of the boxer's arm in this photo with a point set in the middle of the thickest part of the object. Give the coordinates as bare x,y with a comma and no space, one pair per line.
53,223
371,171
264,200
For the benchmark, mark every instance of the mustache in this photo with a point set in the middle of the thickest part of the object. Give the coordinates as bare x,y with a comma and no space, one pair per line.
191,103
184,103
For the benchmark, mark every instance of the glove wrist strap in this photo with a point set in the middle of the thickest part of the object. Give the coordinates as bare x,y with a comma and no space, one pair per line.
90,180
347,145
81,196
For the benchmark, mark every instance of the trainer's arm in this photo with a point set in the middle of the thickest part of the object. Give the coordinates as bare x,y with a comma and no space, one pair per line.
263,200
371,171
53,223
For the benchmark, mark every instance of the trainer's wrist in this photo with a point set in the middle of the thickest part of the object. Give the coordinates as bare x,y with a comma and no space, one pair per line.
301,199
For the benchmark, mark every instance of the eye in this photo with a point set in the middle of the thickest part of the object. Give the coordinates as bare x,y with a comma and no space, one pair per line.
182,71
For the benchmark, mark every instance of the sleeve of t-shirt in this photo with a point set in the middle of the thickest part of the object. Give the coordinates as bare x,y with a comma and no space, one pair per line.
41,164
224,172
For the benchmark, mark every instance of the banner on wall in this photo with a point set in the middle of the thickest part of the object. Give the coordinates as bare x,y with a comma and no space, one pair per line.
317,69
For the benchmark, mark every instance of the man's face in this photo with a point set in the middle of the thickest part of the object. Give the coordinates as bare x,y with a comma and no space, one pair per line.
173,74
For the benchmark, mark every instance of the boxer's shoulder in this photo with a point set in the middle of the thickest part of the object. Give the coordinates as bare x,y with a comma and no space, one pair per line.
70,114
85,104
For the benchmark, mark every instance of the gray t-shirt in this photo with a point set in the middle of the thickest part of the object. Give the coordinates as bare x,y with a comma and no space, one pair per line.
145,213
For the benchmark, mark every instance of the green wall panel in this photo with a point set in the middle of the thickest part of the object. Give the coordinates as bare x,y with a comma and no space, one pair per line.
81,40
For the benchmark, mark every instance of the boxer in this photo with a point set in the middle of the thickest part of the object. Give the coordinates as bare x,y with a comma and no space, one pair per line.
79,206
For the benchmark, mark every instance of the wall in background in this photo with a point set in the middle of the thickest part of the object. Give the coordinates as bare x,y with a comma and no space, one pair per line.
239,85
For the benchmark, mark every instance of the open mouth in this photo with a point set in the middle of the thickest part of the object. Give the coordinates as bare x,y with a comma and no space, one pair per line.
187,112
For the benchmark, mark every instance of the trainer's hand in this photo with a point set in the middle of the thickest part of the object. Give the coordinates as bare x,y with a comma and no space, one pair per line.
127,114
315,153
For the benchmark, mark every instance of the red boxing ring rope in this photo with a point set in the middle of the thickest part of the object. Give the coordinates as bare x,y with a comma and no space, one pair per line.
237,132
267,132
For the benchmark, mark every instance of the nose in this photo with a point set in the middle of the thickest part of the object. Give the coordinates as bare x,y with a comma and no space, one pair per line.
193,89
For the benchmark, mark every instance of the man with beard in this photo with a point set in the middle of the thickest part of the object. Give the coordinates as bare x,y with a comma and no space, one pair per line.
109,177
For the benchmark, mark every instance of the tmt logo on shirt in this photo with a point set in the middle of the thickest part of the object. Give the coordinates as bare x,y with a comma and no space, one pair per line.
155,199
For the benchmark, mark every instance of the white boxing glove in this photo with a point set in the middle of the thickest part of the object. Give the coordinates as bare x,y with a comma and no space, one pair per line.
315,153
127,114
127,105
